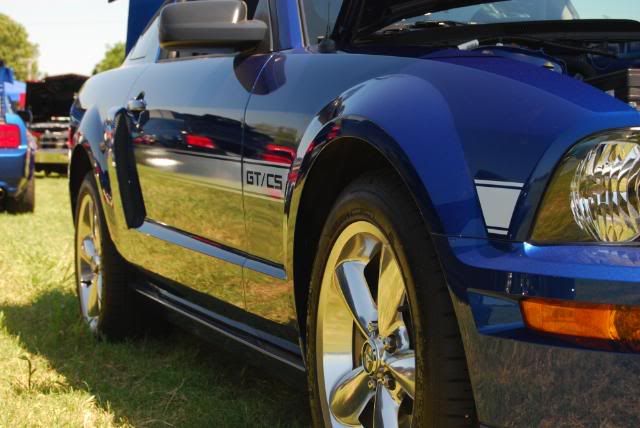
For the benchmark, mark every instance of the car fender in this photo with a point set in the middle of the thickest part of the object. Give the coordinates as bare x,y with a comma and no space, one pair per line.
94,138
378,112
467,124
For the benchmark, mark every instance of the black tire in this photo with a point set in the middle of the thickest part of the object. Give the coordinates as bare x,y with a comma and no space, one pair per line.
61,170
25,202
119,316
443,391
49,170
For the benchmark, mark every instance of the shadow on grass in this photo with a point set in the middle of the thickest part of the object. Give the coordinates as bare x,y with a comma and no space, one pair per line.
170,381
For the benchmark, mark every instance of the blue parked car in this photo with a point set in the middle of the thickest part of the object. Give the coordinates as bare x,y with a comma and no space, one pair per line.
429,207
17,150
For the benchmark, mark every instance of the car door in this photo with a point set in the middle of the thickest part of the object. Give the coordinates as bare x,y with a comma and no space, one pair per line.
293,99
186,130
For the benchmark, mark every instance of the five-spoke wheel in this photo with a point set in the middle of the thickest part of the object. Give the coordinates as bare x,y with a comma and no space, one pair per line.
383,344
373,364
107,302
89,261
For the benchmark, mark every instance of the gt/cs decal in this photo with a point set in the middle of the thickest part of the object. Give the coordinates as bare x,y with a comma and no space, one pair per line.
264,179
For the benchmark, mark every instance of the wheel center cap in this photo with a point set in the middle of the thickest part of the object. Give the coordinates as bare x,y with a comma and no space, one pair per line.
370,357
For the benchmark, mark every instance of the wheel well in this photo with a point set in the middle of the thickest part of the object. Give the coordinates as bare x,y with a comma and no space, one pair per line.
80,165
338,165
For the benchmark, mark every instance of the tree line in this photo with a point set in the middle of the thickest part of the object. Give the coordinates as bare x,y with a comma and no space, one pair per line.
19,53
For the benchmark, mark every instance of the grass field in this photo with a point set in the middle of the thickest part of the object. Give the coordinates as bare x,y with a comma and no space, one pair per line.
54,374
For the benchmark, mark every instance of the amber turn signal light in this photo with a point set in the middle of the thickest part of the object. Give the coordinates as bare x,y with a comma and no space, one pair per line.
586,320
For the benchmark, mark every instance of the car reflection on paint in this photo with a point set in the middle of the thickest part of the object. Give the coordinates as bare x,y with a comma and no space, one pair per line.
430,208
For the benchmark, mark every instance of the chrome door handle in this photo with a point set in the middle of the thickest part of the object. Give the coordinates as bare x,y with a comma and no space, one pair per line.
136,105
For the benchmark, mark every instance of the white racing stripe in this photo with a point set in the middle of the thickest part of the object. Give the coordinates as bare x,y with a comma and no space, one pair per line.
498,231
499,183
498,201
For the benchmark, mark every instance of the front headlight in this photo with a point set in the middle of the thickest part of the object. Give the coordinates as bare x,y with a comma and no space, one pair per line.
594,196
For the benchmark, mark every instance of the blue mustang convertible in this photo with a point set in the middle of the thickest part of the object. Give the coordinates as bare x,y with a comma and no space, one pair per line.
431,207
17,150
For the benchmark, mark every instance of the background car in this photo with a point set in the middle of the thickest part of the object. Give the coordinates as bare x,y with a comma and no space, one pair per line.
17,150
436,221
48,104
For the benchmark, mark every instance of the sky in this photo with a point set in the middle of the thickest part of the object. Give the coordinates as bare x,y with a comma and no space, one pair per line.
72,34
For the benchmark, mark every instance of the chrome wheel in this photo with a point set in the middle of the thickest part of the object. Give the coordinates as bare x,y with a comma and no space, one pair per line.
88,261
365,357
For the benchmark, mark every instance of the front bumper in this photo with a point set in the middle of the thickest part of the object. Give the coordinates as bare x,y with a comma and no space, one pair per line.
523,378
52,157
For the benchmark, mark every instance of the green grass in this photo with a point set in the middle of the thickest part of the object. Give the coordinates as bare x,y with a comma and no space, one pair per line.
54,374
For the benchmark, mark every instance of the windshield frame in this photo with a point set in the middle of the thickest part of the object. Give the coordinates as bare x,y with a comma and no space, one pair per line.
360,20
522,11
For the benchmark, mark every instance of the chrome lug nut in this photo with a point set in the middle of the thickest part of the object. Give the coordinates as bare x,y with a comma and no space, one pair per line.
372,328
389,382
390,344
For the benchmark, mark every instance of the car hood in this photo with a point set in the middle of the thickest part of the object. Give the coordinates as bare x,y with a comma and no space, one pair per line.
53,96
365,16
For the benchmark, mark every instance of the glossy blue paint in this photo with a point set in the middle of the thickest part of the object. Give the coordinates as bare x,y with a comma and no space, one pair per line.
444,120
520,379
598,262
140,13
493,314
514,370
16,165
289,27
